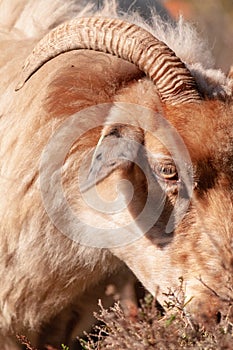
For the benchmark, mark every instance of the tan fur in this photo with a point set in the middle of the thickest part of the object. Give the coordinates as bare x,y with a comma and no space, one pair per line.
44,273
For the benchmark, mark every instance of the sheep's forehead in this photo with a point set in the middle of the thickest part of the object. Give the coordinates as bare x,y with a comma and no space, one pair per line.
206,129
206,132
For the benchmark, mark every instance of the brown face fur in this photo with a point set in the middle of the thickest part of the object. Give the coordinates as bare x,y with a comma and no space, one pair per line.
199,249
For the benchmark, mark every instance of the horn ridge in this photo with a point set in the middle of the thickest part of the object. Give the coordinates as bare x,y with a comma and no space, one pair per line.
125,40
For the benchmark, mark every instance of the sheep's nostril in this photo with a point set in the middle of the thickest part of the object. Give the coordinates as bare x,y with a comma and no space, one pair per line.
218,317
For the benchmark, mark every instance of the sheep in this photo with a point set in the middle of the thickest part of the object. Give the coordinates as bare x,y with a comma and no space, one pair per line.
115,150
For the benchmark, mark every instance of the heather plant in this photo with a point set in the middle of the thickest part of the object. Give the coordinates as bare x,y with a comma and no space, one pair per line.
170,327
166,327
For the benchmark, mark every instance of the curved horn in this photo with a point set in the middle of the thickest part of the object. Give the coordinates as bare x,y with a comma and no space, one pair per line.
125,40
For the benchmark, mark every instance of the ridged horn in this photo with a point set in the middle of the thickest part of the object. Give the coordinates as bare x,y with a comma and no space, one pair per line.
125,40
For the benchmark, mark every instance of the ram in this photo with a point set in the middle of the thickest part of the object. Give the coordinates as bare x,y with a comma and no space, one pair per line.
116,148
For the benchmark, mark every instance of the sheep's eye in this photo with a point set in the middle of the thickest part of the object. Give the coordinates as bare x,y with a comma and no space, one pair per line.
166,171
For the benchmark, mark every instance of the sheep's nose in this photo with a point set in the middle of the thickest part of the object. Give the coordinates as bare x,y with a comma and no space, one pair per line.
218,317
206,311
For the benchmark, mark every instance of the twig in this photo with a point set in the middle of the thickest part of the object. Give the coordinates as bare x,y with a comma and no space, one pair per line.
24,341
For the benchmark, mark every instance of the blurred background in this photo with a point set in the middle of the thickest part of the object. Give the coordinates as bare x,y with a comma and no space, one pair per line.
214,21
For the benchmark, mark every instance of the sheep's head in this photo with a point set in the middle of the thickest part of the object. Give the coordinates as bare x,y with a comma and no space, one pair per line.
174,148
182,197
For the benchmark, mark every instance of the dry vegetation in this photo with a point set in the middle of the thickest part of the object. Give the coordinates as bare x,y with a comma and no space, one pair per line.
152,328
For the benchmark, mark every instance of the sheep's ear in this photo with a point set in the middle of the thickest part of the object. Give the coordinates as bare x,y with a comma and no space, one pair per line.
117,148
